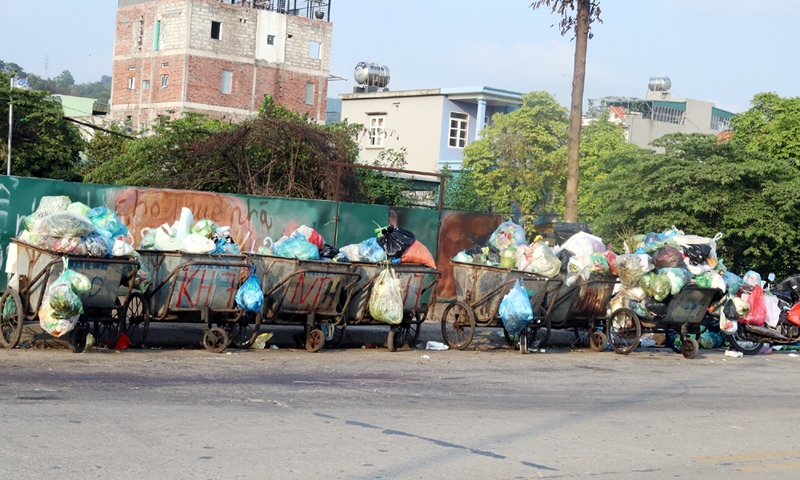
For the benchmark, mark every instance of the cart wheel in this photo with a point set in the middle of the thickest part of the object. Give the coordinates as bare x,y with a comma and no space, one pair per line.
598,341
669,341
741,341
242,334
215,340
106,332
11,320
624,330
315,340
407,333
458,325
137,319
537,332
390,341
523,343
689,348
77,338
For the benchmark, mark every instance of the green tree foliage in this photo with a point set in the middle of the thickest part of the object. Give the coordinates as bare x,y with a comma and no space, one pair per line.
521,158
461,194
599,139
771,126
64,83
43,145
384,188
703,187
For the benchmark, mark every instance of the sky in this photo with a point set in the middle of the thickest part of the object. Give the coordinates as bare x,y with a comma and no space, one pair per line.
721,51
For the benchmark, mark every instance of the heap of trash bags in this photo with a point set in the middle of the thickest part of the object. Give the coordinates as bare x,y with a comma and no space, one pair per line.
186,235
61,306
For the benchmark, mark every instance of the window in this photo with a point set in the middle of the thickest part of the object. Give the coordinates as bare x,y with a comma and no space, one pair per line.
227,80
142,127
270,39
310,94
667,115
376,131
458,129
215,28
313,50
164,81
157,35
132,67
165,65
130,82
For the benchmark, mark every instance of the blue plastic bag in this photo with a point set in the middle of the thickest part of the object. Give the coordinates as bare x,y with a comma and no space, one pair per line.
250,297
507,234
296,248
515,309
733,282
371,250
224,247
107,219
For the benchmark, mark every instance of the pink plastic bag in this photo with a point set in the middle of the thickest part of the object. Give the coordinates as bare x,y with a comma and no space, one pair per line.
757,315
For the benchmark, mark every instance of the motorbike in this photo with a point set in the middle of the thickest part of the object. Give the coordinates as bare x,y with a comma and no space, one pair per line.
750,339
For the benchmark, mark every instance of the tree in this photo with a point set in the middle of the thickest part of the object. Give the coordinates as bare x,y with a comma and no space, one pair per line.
771,126
585,13
43,145
704,186
64,79
381,188
460,192
599,139
520,158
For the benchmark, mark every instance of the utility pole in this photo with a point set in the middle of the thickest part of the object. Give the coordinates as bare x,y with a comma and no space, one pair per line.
10,121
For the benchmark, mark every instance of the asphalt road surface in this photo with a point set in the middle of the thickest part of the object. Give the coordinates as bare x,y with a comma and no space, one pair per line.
369,413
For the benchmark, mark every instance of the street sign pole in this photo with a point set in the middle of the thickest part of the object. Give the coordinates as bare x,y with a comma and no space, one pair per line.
10,121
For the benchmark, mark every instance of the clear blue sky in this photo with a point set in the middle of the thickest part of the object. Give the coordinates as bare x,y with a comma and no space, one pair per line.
722,51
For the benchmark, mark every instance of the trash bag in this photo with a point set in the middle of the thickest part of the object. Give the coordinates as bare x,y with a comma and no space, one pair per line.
63,301
29,222
678,277
148,241
298,248
515,309
371,251
655,308
327,251
584,243
543,261
564,230
703,280
599,263
419,254
564,256
107,219
524,254
197,243
52,204
666,257
611,258
794,314
64,224
80,209
632,267
757,315
661,287
249,296
462,257
752,279
709,340
78,282
733,282
204,227
395,241
226,246
56,327
121,248
717,282
697,254
508,257
507,234
97,245
742,307
386,300
646,283
729,317
308,233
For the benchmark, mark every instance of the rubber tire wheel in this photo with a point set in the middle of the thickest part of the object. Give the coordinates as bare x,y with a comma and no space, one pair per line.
107,332
738,343
77,338
215,340
669,341
136,315
390,340
533,332
689,347
462,318
407,333
636,331
238,332
598,341
315,340
11,320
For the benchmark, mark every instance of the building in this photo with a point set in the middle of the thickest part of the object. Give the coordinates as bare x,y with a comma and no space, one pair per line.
219,57
432,125
87,111
661,114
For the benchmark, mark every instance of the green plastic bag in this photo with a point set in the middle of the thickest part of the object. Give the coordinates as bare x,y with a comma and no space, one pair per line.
704,280
386,300
646,282
661,287
204,227
508,257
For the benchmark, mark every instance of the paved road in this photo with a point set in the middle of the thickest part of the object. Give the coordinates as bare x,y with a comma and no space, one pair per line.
366,413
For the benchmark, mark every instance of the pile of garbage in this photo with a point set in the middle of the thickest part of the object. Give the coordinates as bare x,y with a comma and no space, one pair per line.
749,304
61,305
186,235
60,225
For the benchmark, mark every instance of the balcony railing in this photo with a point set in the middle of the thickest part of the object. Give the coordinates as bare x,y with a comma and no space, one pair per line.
320,10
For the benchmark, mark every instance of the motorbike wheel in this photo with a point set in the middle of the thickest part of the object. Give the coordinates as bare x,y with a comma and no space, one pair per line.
741,342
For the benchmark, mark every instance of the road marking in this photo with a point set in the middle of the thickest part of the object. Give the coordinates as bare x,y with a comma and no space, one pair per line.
746,457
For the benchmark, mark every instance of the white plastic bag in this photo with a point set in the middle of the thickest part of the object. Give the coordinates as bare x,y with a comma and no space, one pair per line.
386,300
543,261
773,310
165,240
121,248
183,227
196,243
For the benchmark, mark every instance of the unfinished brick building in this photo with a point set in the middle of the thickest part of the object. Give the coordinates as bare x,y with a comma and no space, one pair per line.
219,58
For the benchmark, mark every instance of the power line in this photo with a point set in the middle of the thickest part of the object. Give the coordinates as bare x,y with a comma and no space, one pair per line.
95,127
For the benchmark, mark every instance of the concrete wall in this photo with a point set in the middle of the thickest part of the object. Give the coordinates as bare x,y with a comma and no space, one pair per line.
413,122
697,119
446,152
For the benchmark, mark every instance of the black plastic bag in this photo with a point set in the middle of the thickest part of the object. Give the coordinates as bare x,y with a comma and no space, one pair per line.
395,241
328,251
698,254
564,230
477,249
655,308
730,311
564,255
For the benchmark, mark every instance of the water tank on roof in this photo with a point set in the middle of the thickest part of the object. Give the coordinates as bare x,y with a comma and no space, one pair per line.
659,84
372,74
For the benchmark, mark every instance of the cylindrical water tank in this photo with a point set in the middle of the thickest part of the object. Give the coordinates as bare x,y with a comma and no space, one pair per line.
659,84
372,74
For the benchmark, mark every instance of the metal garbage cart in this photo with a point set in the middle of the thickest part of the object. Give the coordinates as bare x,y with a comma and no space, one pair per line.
106,306
582,306
419,295
686,314
192,288
310,293
480,290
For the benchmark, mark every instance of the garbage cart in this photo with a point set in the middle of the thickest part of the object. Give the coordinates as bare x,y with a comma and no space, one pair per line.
106,306
582,306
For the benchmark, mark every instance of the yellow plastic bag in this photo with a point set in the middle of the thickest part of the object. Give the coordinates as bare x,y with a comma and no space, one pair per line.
386,301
